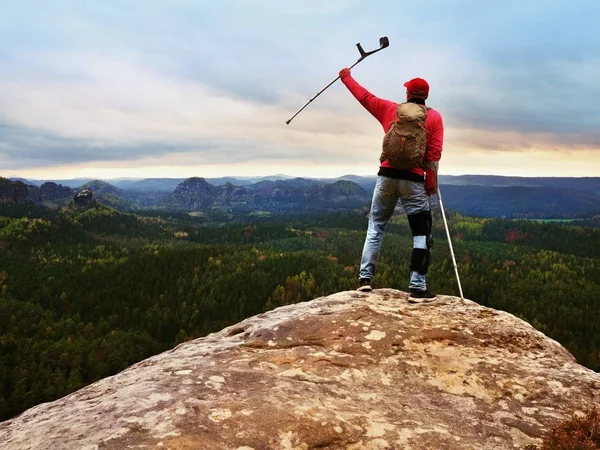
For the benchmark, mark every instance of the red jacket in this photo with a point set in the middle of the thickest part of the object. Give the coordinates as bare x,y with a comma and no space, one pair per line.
385,112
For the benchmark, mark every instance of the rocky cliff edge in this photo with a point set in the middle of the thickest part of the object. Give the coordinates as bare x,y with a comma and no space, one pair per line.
347,371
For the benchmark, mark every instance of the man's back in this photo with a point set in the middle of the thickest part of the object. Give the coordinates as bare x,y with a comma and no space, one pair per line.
385,112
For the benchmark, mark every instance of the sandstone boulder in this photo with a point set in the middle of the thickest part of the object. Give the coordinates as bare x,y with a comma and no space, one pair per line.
347,371
83,198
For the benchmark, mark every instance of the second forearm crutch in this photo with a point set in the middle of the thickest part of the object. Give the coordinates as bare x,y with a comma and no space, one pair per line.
462,297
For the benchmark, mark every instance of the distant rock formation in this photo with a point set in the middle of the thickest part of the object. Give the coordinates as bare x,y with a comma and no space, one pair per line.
83,198
55,193
197,186
193,194
349,371
19,192
13,191
34,194
196,194
231,191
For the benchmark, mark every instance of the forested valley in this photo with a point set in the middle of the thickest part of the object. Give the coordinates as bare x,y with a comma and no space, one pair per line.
86,292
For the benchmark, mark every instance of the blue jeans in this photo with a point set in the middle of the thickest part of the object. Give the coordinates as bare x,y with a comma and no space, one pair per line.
387,192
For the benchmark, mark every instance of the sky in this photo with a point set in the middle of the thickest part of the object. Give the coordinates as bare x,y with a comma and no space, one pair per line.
174,88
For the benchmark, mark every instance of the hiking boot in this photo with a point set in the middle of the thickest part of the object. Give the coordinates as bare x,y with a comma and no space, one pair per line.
421,296
364,285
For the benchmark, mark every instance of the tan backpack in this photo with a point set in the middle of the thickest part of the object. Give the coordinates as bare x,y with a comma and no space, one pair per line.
405,142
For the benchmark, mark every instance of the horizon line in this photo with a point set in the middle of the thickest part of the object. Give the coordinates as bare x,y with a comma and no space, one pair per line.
280,175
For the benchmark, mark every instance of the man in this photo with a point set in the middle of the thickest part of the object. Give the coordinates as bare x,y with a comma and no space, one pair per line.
413,188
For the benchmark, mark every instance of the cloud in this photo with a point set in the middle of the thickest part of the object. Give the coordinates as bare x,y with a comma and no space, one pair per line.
108,81
126,112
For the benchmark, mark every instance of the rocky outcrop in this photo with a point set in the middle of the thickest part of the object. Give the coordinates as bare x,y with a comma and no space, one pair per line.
83,198
193,194
196,186
48,193
348,371
196,194
232,192
113,197
13,191
55,193
33,194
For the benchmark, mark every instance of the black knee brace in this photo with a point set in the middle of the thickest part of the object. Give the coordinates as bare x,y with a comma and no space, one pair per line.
420,223
419,261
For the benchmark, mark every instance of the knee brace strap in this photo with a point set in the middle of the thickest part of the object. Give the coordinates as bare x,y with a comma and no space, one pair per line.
419,261
429,242
420,223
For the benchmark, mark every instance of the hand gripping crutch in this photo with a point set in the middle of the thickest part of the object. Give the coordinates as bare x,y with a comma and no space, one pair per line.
383,43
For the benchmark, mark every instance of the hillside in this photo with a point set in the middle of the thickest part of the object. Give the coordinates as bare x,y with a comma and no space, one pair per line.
86,292
348,371
485,196
197,194
588,184
13,191
519,202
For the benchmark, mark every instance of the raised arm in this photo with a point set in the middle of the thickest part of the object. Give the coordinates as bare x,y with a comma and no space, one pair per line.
378,107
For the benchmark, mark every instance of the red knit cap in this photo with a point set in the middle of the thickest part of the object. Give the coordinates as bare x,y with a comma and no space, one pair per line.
417,88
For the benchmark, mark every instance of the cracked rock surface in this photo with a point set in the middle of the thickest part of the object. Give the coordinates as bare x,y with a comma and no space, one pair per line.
347,371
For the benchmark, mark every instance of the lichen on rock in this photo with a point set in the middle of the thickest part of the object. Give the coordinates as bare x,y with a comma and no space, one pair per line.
347,371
